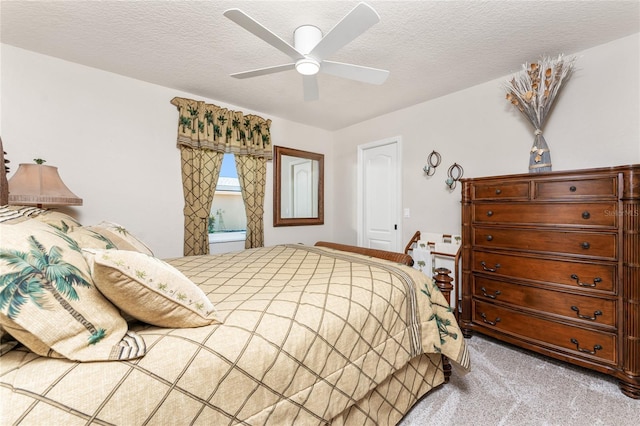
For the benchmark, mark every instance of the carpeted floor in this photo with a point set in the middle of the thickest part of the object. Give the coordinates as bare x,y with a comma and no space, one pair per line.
511,386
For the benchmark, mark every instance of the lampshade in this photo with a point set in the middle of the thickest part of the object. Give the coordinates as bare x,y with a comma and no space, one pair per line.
37,184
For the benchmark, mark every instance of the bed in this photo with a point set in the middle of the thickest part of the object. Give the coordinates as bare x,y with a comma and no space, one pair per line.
303,335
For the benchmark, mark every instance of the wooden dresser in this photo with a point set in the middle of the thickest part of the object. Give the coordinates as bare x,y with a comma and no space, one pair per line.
551,263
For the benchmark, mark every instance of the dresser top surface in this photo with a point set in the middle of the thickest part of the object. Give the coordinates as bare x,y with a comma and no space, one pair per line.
635,168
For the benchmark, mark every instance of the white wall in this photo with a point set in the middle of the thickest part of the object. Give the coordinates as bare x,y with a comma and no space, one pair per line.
306,138
595,123
114,141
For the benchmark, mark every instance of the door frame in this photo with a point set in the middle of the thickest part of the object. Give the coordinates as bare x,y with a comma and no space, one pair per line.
397,141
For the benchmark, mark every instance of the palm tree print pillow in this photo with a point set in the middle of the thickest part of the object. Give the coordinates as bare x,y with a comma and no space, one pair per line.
56,219
86,238
120,237
48,300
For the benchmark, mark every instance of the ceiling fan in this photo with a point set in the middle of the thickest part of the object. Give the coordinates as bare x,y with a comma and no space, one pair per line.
310,49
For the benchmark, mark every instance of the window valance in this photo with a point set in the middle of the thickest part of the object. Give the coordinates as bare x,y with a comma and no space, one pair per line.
208,126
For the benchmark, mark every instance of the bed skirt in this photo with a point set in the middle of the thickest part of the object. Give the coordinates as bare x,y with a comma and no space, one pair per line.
392,399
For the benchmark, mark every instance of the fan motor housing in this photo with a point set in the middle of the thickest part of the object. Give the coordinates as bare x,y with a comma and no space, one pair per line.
306,37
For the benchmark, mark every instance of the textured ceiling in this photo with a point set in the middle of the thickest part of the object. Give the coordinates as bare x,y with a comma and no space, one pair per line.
431,48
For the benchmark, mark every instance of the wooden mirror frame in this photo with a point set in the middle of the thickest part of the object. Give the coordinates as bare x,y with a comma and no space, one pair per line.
278,220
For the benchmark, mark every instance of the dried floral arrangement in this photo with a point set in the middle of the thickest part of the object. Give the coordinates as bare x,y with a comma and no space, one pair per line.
533,91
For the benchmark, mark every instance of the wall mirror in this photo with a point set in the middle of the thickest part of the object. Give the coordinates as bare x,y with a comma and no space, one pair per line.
298,188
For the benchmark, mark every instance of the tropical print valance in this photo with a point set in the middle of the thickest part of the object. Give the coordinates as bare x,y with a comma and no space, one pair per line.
208,126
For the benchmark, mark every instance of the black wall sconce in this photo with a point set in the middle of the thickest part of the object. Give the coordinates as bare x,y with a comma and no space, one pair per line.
433,161
454,174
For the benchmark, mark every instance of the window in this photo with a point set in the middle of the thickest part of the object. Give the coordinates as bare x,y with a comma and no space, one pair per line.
227,210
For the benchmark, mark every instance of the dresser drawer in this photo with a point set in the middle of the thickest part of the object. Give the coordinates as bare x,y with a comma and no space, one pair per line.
590,310
501,191
588,277
594,344
580,214
596,244
600,187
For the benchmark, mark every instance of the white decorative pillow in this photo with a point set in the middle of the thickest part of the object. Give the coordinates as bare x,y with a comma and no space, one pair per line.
49,302
119,236
149,289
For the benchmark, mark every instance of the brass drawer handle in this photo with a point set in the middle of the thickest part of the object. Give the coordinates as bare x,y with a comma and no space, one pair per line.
586,215
587,317
585,245
484,267
596,280
489,237
593,352
498,191
490,213
486,321
490,296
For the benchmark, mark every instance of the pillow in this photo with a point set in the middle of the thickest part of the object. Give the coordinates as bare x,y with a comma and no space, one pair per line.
49,302
120,237
87,238
149,289
6,342
5,347
65,223
16,213
57,219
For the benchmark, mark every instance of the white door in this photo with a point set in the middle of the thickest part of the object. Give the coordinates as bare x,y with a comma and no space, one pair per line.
379,195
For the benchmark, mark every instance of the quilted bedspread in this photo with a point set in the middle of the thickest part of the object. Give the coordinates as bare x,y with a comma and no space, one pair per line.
306,333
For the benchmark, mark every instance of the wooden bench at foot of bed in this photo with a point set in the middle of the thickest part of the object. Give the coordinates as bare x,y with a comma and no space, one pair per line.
442,277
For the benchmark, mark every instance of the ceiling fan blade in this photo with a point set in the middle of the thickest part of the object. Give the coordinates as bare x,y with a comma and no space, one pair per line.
351,26
355,72
257,29
310,87
264,71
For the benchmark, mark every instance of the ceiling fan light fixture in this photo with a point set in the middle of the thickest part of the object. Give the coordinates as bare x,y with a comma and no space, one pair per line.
311,49
307,66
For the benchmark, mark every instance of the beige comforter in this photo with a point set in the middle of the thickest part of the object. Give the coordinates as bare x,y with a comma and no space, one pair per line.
307,333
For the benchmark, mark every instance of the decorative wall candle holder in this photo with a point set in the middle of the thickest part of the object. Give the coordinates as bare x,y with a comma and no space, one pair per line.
433,161
454,174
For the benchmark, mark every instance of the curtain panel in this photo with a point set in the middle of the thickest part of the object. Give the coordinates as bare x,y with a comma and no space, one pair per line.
205,133
252,173
200,171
